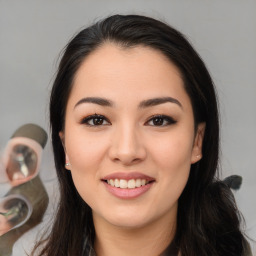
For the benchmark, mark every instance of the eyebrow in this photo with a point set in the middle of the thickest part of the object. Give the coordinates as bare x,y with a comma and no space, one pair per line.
158,101
144,104
96,100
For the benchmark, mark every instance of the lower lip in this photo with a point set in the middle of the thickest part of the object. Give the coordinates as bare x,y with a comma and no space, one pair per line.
128,193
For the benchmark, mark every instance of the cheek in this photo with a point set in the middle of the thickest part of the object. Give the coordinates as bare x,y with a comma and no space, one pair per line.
173,151
174,166
172,158
85,154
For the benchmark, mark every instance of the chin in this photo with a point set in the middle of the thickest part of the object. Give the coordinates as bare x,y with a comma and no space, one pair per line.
128,222
128,218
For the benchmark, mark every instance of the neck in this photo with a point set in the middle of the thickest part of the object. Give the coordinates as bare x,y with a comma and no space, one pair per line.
150,240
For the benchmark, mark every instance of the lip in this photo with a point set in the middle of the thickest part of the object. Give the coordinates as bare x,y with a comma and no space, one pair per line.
128,193
128,176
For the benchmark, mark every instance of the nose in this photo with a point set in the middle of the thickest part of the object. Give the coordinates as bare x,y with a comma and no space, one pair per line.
127,146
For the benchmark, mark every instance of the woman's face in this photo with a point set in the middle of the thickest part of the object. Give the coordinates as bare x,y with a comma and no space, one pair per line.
129,135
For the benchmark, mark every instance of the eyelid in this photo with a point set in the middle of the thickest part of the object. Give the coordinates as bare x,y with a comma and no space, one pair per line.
86,119
169,119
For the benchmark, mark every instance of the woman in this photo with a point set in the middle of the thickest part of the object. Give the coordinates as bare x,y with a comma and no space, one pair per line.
135,135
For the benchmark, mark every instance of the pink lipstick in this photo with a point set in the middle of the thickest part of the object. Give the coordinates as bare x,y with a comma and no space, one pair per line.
128,185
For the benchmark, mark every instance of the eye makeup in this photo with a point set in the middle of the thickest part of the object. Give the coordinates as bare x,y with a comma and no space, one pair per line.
155,120
160,120
95,120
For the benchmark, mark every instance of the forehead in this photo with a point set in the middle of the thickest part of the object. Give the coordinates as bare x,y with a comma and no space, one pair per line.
112,59
136,71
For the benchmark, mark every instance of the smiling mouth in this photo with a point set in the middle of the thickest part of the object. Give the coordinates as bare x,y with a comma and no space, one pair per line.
128,184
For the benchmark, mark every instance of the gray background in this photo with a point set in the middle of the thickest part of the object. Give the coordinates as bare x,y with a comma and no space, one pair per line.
32,34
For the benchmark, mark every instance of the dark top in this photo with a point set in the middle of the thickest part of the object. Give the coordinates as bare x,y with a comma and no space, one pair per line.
170,251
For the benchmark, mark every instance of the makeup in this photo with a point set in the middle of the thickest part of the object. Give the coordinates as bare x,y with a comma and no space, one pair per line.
128,185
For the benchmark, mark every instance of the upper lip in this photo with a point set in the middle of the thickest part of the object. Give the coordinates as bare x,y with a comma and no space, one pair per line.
128,176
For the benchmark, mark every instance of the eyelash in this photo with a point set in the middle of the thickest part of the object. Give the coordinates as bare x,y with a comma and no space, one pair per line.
87,119
165,120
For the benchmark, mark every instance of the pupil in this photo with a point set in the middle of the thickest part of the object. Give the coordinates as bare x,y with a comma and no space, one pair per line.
158,121
97,121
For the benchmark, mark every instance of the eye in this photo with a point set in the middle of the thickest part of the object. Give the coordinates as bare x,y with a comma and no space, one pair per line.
95,120
160,120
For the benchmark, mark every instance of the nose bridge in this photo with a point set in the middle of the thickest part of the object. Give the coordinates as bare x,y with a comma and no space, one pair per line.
127,145
128,138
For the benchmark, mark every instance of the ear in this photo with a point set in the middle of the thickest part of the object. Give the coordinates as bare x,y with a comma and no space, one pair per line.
198,143
62,138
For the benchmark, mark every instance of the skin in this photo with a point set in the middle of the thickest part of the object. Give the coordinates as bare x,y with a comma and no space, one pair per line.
129,140
4,225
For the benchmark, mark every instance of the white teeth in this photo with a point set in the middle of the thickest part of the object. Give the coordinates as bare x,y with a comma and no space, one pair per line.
123,183
132,183
117,183
138,183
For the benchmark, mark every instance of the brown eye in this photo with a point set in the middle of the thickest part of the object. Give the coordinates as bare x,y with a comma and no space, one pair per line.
95,120
161,120
158,121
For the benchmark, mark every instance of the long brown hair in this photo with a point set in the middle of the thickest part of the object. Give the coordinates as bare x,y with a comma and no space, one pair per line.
208,220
